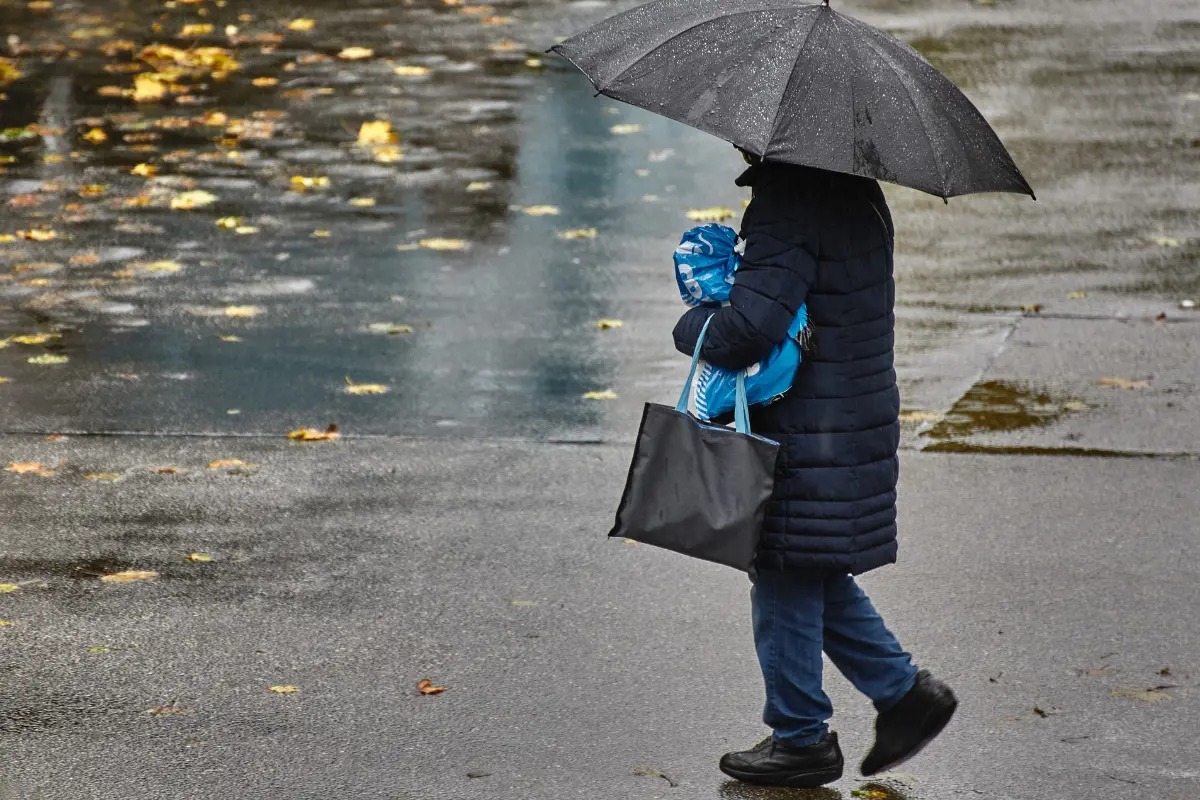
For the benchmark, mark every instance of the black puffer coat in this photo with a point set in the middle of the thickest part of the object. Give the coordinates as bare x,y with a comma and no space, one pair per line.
825,239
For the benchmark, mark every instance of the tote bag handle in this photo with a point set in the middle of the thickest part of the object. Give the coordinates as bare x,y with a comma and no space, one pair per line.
741,410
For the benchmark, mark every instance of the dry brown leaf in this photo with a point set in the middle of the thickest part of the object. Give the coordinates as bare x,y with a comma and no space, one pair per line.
283,689
425,686
1124,383
222,463
313,435
129,576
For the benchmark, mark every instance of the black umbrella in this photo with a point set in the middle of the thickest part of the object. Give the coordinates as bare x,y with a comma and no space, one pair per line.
798,83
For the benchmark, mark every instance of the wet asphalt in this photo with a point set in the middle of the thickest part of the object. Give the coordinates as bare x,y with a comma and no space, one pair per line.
456,530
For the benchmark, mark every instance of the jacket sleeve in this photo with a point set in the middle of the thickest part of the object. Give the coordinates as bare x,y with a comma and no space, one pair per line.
768,290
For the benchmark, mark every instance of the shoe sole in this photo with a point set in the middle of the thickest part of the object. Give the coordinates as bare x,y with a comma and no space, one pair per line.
933,729
809,779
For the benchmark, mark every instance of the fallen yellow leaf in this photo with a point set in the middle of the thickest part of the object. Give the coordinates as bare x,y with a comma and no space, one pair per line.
165,470
229,223
231,338
1165,241
147,89
96,136
195,199
541,211
578,233
8,587
533,63
36,338
8,71
93,190
496,20
387,153
321,233
425,686
301,183
479,186
5,623
129,576
356,53
283,689
1124,383
376,132
364,388
301,24
714,214
198,557
390,328
5,380
245,230
7,237
625,129
607,394
195,29
362,202
443,244
102,476
313,435
265,81
38,234
242,311
1076,295
21,467
145,170
48,358
605,324
222,463
411,71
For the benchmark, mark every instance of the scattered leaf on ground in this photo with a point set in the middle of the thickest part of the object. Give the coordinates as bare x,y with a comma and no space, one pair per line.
99,648
1031,308
313,435
265,81
411,71
129,576
229,223
607,394
38,235
1166,241
302,183
301,24
168,711
320,233
185,201
156,266
195,29
871,794
647,772
606,324
443,244
165,470
356,53
476,774
8,587
534,63
35,338
1079,295
48,358
242,311
541,211
230,338
625,129
578,233
364,388
362,202
390,328
479,186
1075,405
1124,383
198,557
222,463
1145,695
102,476
523,603
714,214
5,623
145,170
425,686
96,136
283,689
376,132
245,230
21,467
147,89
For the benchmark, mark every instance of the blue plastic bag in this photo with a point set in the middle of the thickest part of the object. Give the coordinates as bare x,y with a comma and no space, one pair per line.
705,262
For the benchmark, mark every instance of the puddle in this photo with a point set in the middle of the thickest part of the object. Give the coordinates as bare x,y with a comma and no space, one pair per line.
999,407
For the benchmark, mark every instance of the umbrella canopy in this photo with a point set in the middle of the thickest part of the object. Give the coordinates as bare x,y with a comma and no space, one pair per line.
798,83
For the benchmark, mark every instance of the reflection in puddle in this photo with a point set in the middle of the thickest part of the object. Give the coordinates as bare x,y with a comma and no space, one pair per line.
736,790
996,406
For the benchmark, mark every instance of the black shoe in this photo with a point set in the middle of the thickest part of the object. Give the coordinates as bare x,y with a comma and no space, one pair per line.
774,764
904,729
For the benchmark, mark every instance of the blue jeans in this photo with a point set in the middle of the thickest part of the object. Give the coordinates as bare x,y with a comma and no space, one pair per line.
799,614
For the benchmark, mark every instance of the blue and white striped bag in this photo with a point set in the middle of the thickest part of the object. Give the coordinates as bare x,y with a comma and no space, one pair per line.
705,262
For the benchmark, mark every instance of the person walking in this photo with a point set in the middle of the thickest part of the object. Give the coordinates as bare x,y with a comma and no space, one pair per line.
826,239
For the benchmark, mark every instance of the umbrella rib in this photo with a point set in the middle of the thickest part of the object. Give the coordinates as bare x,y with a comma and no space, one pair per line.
937,160
670,39
787,83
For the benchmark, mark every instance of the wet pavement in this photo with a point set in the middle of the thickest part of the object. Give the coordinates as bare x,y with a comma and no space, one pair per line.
456,531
